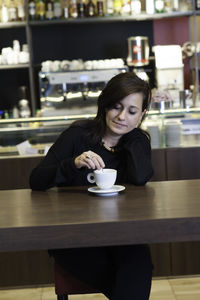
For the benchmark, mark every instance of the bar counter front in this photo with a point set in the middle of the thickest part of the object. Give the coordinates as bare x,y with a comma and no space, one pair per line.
167,211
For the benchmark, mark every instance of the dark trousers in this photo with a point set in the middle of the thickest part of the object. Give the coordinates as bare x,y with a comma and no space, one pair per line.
119,272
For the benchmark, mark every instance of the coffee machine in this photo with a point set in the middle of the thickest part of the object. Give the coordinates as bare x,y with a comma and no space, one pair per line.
73,92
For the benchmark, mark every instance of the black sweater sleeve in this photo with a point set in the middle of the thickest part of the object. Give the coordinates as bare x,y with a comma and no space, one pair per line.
135,167
58,165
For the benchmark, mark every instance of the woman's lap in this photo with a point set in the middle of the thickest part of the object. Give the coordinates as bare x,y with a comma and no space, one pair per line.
111,270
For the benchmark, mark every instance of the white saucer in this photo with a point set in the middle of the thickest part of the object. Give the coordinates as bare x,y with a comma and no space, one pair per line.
109,192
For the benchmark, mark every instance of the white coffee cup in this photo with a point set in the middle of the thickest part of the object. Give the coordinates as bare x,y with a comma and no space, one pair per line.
104,178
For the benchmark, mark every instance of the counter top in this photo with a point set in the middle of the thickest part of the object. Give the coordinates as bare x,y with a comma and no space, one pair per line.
159,212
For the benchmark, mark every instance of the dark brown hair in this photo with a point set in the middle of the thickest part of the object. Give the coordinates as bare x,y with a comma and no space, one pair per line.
117,88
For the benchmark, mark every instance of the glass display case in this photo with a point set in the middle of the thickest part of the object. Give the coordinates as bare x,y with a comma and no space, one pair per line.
28,136
34,136
173,127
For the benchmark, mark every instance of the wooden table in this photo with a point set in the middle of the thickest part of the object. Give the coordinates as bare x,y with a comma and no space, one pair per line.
71,217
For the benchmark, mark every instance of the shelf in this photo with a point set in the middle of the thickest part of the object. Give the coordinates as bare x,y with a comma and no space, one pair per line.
140,17
174,112
46,119
17,66
89,116
12,24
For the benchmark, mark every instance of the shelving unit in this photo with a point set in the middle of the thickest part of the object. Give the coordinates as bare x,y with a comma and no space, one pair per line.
73,38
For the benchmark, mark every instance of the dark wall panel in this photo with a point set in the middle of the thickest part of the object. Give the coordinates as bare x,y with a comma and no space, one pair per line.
183,163
86,41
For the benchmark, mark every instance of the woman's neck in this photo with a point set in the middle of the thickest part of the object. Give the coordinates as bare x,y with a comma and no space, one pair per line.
110,141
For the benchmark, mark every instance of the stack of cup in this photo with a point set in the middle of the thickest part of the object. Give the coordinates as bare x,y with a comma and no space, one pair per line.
172,133
155,135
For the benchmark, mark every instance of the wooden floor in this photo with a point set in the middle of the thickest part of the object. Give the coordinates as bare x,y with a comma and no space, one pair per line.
185,288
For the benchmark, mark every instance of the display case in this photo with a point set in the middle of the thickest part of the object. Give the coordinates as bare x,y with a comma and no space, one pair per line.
38,133
172,128
33,136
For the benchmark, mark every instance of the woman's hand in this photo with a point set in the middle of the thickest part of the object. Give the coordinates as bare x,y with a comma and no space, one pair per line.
89,159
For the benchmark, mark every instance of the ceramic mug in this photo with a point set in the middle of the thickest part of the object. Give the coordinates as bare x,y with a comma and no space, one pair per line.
104,178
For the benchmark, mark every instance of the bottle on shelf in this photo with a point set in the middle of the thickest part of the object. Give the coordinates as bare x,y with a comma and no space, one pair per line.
117,7
4,13
57,9
150,7
32,10
197,4
185,5
175,4
49,5
40,10
65,9
109,9
24,109
159,6
21,10
168,6
190,4
6,114
81,8
15,112
126,8
135,7
73,11
12,11
90,9
100,8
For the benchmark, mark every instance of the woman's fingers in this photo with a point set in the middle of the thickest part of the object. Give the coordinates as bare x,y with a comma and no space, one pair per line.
94,160
89,159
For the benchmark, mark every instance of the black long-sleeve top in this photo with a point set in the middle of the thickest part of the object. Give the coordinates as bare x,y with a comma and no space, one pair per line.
132,160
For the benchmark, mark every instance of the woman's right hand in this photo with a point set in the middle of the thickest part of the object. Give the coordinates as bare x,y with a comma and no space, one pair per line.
90,160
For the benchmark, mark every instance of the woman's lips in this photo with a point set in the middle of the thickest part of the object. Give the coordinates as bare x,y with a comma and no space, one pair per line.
119,124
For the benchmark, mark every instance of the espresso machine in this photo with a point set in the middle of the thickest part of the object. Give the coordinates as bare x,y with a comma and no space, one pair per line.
73,92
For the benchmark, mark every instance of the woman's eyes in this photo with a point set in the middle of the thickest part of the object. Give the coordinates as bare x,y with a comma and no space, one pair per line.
117,107
132,112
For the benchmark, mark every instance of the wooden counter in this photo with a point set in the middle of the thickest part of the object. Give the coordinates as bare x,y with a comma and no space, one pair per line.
71,217
168,258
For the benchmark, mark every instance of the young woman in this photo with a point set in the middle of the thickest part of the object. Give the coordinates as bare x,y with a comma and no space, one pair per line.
113,139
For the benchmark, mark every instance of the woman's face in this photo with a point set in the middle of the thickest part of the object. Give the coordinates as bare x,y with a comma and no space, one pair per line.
125,115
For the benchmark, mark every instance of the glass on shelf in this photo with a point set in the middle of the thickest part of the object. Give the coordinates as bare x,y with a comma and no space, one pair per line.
14,55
